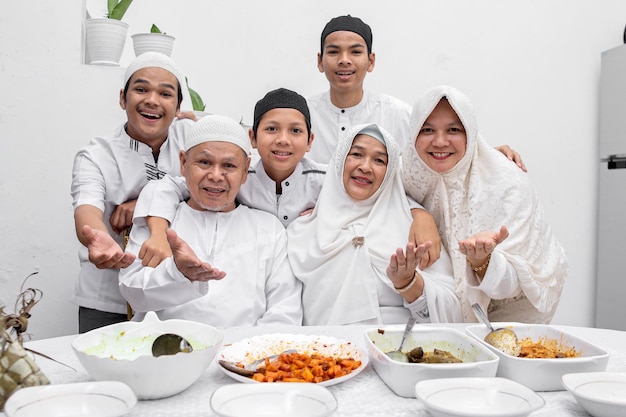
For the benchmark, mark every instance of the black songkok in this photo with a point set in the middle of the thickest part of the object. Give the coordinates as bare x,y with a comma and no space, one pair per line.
281,98
350,24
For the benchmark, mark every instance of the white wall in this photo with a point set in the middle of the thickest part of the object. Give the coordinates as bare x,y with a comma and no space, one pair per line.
531,67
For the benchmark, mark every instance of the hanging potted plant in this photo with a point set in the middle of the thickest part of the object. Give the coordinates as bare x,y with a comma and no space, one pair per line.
105,37
153,41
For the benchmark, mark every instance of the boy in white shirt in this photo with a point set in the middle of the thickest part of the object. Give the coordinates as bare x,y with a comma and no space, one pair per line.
345,58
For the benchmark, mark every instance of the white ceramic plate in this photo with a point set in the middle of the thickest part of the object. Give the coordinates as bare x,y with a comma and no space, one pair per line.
276,400
249,350
477,397
601,394
93,399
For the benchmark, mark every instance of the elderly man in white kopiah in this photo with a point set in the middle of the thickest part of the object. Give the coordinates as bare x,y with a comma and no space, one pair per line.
241,251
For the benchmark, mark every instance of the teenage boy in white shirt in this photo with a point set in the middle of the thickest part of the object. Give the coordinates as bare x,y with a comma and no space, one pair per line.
110,172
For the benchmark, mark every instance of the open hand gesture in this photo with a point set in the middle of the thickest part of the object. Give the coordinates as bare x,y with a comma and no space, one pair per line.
188,263
104,252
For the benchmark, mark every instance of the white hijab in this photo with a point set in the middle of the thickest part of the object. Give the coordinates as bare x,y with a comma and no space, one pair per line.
482,192
340,274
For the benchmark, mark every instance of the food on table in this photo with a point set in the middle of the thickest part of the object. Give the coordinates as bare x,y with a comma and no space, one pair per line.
281,357
297,367
417,355
546,348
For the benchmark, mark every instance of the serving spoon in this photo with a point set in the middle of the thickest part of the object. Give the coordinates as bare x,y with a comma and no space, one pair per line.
502,339
397,354
170,344
250,369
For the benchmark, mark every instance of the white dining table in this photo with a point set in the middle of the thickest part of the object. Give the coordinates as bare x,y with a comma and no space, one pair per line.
363,395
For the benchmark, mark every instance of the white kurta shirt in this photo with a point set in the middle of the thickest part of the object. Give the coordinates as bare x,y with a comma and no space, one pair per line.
109,172
329,122
249,245
299,192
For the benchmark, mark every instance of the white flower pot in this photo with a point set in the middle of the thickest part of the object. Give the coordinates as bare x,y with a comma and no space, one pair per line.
105,39
153,42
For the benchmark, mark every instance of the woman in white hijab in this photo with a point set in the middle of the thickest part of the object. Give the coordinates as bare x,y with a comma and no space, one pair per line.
348,252
504,254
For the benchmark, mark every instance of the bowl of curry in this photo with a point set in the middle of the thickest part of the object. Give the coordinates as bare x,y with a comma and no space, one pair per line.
547,354
432,352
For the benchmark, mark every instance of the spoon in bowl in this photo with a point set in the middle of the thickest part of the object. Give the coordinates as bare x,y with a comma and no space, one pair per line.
502,339
398,355
250,369
170,344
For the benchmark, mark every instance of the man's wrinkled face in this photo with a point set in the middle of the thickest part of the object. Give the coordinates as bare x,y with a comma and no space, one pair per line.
214,172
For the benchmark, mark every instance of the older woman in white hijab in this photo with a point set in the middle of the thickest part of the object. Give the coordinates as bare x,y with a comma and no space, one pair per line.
505,256
348,253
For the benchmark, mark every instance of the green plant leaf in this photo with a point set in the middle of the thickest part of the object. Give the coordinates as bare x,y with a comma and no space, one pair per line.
155,29
117,8
196,101
110,6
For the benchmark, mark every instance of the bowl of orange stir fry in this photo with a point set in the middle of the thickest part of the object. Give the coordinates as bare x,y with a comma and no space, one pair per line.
323,360
547,354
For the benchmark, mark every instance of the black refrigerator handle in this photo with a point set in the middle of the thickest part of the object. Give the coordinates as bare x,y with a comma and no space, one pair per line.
615,161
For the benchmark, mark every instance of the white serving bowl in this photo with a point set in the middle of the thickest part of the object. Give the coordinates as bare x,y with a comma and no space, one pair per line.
478,361
122,352
275,400
601,394
543,374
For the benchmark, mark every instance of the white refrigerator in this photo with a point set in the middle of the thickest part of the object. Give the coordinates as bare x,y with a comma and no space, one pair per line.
611,267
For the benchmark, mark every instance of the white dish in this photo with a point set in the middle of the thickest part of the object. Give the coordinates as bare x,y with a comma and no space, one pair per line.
543,374
477,397
93,399
478,361
123,352
276,400
601,394
249,350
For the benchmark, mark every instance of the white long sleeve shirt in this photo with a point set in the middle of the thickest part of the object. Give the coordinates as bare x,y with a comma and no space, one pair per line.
249,245
106,173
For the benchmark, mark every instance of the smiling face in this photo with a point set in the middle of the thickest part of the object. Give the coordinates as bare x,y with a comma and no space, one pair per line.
214,172
345,62
151,103
365,167
281,139
441,142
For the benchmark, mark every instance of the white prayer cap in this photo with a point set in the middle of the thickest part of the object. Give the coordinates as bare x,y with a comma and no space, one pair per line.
154,59
215,128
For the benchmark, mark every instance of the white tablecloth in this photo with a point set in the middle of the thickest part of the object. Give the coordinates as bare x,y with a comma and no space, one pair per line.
363,395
